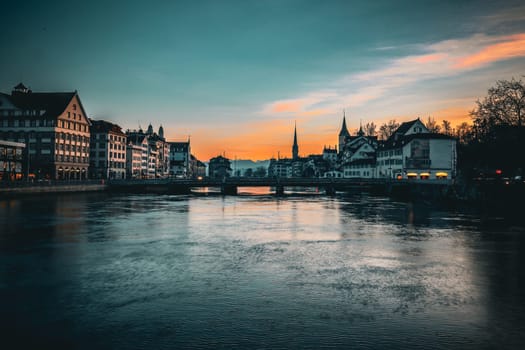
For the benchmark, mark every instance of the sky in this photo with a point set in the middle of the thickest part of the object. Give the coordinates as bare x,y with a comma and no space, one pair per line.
235,76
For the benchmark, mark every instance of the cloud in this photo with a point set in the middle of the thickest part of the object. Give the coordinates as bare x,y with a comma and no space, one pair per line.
438,60
510,47
306,106
286,106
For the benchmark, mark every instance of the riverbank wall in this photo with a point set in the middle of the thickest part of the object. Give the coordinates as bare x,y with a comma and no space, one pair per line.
29,189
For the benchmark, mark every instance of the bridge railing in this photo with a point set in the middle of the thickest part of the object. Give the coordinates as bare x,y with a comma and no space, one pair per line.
272,181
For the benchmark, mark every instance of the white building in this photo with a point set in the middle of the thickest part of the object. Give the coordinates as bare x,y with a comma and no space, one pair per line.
137,155
412,152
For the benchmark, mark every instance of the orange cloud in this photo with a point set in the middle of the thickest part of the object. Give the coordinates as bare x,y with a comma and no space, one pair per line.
286,107
428,58
314,113
514,46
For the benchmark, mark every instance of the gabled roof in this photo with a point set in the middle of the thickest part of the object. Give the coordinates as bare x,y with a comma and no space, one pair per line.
53,103
136,138
104,126
403,140
20,86
404,127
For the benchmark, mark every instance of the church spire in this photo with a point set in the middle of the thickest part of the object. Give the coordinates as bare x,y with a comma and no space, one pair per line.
343,134
295,147
360,132
344,130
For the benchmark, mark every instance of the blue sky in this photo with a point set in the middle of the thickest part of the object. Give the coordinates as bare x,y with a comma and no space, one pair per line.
235,75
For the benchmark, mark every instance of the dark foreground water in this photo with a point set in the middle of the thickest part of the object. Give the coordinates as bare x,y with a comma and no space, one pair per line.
98,271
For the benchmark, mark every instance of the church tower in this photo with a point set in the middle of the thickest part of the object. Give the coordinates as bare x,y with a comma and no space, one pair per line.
343,134
295,147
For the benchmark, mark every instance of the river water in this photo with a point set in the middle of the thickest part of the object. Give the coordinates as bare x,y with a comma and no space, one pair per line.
96,271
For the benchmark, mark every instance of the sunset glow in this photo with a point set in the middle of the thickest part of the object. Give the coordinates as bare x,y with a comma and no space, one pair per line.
235,79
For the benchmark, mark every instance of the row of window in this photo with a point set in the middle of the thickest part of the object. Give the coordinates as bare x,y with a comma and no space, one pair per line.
75,115
357,173
9,152
27,123
64,124
71,159
390,162
72,137
72,148
390,153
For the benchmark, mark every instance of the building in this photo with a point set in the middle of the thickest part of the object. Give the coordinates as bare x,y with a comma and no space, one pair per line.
219,167
108,151
136,155
358,157
154,151
159,150
412,152
280,167
180,159
11,158
288,167
330,154
55,129
197,168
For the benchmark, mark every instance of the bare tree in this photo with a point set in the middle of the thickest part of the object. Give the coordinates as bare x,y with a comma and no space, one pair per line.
370,129
387,129
463,132
446,127
503,106
432,126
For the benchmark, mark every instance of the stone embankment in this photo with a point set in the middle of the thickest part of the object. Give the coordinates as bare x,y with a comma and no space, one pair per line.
50,187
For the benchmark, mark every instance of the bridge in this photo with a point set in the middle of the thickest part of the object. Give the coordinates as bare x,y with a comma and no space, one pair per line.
230,185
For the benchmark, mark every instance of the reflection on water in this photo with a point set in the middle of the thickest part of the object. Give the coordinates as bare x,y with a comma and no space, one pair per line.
257,271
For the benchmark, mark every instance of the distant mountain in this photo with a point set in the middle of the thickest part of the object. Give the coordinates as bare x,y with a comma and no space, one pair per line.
242,164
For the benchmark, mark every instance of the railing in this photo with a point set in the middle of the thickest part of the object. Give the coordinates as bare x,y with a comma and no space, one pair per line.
267,181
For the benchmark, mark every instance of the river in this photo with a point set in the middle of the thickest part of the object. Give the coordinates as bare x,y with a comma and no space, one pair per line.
100,271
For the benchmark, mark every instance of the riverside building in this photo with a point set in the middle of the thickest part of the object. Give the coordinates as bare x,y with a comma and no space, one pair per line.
55,129
108,151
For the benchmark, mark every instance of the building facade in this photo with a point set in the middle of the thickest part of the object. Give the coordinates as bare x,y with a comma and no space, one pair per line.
108,151
136,155
219,167
55,129
11,159
180,159
154,157
412,152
